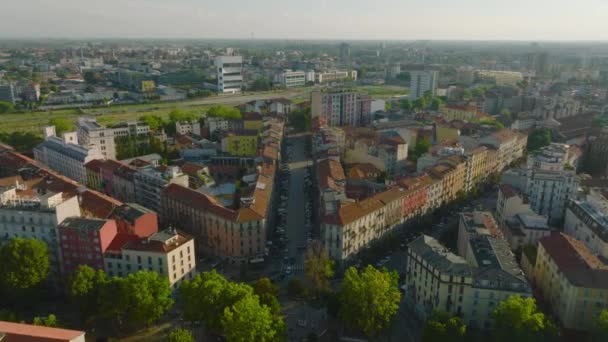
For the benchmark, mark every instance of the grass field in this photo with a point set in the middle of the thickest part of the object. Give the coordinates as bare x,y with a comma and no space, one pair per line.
383,91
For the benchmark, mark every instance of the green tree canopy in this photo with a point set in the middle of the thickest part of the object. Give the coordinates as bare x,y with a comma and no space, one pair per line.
539,138
405,104
517,319
422,146
261,84
23,142
247,320
48,321
180,335
223,111
296,288
62,125
599,332
436,103
25,264
318,266
369,299
154,121
419,104
85,289
441,327
268,294
182,115
6,107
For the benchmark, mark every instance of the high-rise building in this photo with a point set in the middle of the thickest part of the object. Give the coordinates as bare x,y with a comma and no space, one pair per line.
345,53
8,93
92,134
341,107
229,73
421,82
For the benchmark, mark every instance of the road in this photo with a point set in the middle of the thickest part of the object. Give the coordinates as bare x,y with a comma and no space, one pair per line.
296,230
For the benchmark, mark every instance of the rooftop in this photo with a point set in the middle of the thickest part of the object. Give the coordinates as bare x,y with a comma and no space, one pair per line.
440,257
83,223
21,332
162,242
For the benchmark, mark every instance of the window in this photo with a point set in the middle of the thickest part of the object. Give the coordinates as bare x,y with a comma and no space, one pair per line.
139,260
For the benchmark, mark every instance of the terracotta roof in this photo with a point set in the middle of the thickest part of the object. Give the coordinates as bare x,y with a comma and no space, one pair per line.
191,169
508,191
578,264
120,240
329,171
393,194
155,246
109,165
504,135
198,200
21,332
363,171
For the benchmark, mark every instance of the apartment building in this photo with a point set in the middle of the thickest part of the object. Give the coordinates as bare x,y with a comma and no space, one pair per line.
509,145
292,78
28,211
170,253
130,129
416,195
525,229
422,81
150,181
572,279
340,107
229,74
510,202
553,157
549,191
477,167
91,134
355,225
469,286
587,221
473,224
241,143
451,181
188,127
332,76
83,242
457,112
501,78
21,332
64,155
386,154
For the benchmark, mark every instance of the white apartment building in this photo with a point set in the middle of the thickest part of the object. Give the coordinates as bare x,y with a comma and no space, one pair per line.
229,74
92,134
64,155
510,202
421,82
525,229
150,181
587,221
188,127
509,145
469,286
550,158
500,77
35,214
130,129
291,78
170,253
323,77
549,191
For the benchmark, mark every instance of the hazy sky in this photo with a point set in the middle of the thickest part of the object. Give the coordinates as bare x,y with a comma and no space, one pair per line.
301,19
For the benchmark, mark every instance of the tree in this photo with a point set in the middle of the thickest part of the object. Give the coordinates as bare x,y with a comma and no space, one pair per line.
422,146
478,91
406,104
247,320
25,264
180,335
85,290
62,125
207,295
89,89
467,95
181,115
538,138
419,104
296,288
403,76
155,122
48,321
21,141
517,319
388,106
599,332
261,84
8,315
92,77
318,266
223,111
441,327
436,103
268,294
369,299
6,107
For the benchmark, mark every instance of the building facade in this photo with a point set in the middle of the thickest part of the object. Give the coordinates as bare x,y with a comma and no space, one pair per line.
92,134
421,82
229,74
340,107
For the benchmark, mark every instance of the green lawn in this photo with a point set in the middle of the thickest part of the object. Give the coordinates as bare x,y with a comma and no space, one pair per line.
383,91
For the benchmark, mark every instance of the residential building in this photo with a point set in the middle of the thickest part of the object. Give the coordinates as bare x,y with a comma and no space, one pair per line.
188,127
21,332
135,219
332,76
553,157
587,221
253,121
100,174
549,191
8,93
597,150
64,155
387,154
416,191
149,183
92,134
501,78
221,124
291,78
364,171
28,211
469,286
229,74
130,129
572,279
341,107
242,143
509,145
83,242
456,112
422,81
280,106
525,229
170,253
355,225
472,224
510,202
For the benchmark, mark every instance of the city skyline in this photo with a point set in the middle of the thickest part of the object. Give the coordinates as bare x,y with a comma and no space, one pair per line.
317,19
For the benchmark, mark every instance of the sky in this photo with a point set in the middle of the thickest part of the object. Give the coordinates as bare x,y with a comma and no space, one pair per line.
308,19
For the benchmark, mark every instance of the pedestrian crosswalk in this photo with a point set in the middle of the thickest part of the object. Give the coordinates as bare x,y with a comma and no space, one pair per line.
295,269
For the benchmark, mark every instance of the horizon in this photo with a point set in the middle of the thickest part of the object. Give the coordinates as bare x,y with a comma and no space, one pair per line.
388,20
